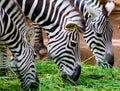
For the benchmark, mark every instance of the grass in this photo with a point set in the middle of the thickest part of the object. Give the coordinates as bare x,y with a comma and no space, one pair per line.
93,78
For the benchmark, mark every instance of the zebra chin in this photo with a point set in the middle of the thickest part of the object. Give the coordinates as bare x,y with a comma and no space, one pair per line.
107,62
74,77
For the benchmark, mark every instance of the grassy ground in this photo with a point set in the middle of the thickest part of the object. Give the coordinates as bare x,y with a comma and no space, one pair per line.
92,78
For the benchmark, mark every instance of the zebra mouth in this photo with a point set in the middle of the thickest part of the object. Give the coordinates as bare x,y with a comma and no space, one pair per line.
68,78
108,61
74,77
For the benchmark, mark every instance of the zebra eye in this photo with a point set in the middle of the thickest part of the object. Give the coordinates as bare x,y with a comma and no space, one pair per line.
73,44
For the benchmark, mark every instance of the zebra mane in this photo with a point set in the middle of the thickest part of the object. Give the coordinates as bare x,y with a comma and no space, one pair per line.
20,9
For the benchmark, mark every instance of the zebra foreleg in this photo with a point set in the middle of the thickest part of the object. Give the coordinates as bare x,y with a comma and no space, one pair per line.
39,46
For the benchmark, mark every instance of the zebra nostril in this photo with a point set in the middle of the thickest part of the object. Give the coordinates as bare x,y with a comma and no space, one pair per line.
74,77
63,75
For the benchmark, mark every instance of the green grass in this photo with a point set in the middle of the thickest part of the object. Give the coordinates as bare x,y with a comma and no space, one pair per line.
93,78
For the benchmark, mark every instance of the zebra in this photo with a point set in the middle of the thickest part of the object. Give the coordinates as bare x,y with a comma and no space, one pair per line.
70,18
98,29
59,18
18,17
23,57
97,35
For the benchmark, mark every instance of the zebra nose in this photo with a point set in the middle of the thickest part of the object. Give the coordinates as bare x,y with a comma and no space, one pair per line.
74,77
110,59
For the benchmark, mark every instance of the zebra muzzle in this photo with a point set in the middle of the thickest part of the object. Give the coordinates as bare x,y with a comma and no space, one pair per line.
73,78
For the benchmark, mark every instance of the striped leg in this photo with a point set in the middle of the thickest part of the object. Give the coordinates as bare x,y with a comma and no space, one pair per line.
39,46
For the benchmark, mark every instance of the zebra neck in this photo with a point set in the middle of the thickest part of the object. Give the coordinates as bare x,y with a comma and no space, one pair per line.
81,5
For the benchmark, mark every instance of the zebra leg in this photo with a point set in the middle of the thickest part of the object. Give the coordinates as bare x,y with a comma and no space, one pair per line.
39,46
3,62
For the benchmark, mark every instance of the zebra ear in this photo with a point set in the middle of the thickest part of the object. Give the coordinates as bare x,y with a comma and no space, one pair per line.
71,26
109,7
91,11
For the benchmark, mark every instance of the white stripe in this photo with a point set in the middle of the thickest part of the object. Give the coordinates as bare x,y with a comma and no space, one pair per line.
33,7
48,13
42,11
23,5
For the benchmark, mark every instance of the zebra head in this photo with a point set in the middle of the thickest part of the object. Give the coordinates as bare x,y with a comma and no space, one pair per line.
98,35
64,50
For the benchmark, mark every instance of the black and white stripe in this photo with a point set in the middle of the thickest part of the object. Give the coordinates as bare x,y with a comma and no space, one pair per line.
23,57
15,13
58,18
98,29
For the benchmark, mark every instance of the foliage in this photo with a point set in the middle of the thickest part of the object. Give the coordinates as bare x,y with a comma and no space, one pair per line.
93,78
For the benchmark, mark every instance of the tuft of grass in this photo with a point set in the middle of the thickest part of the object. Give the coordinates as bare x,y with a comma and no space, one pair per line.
8,84
92,78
